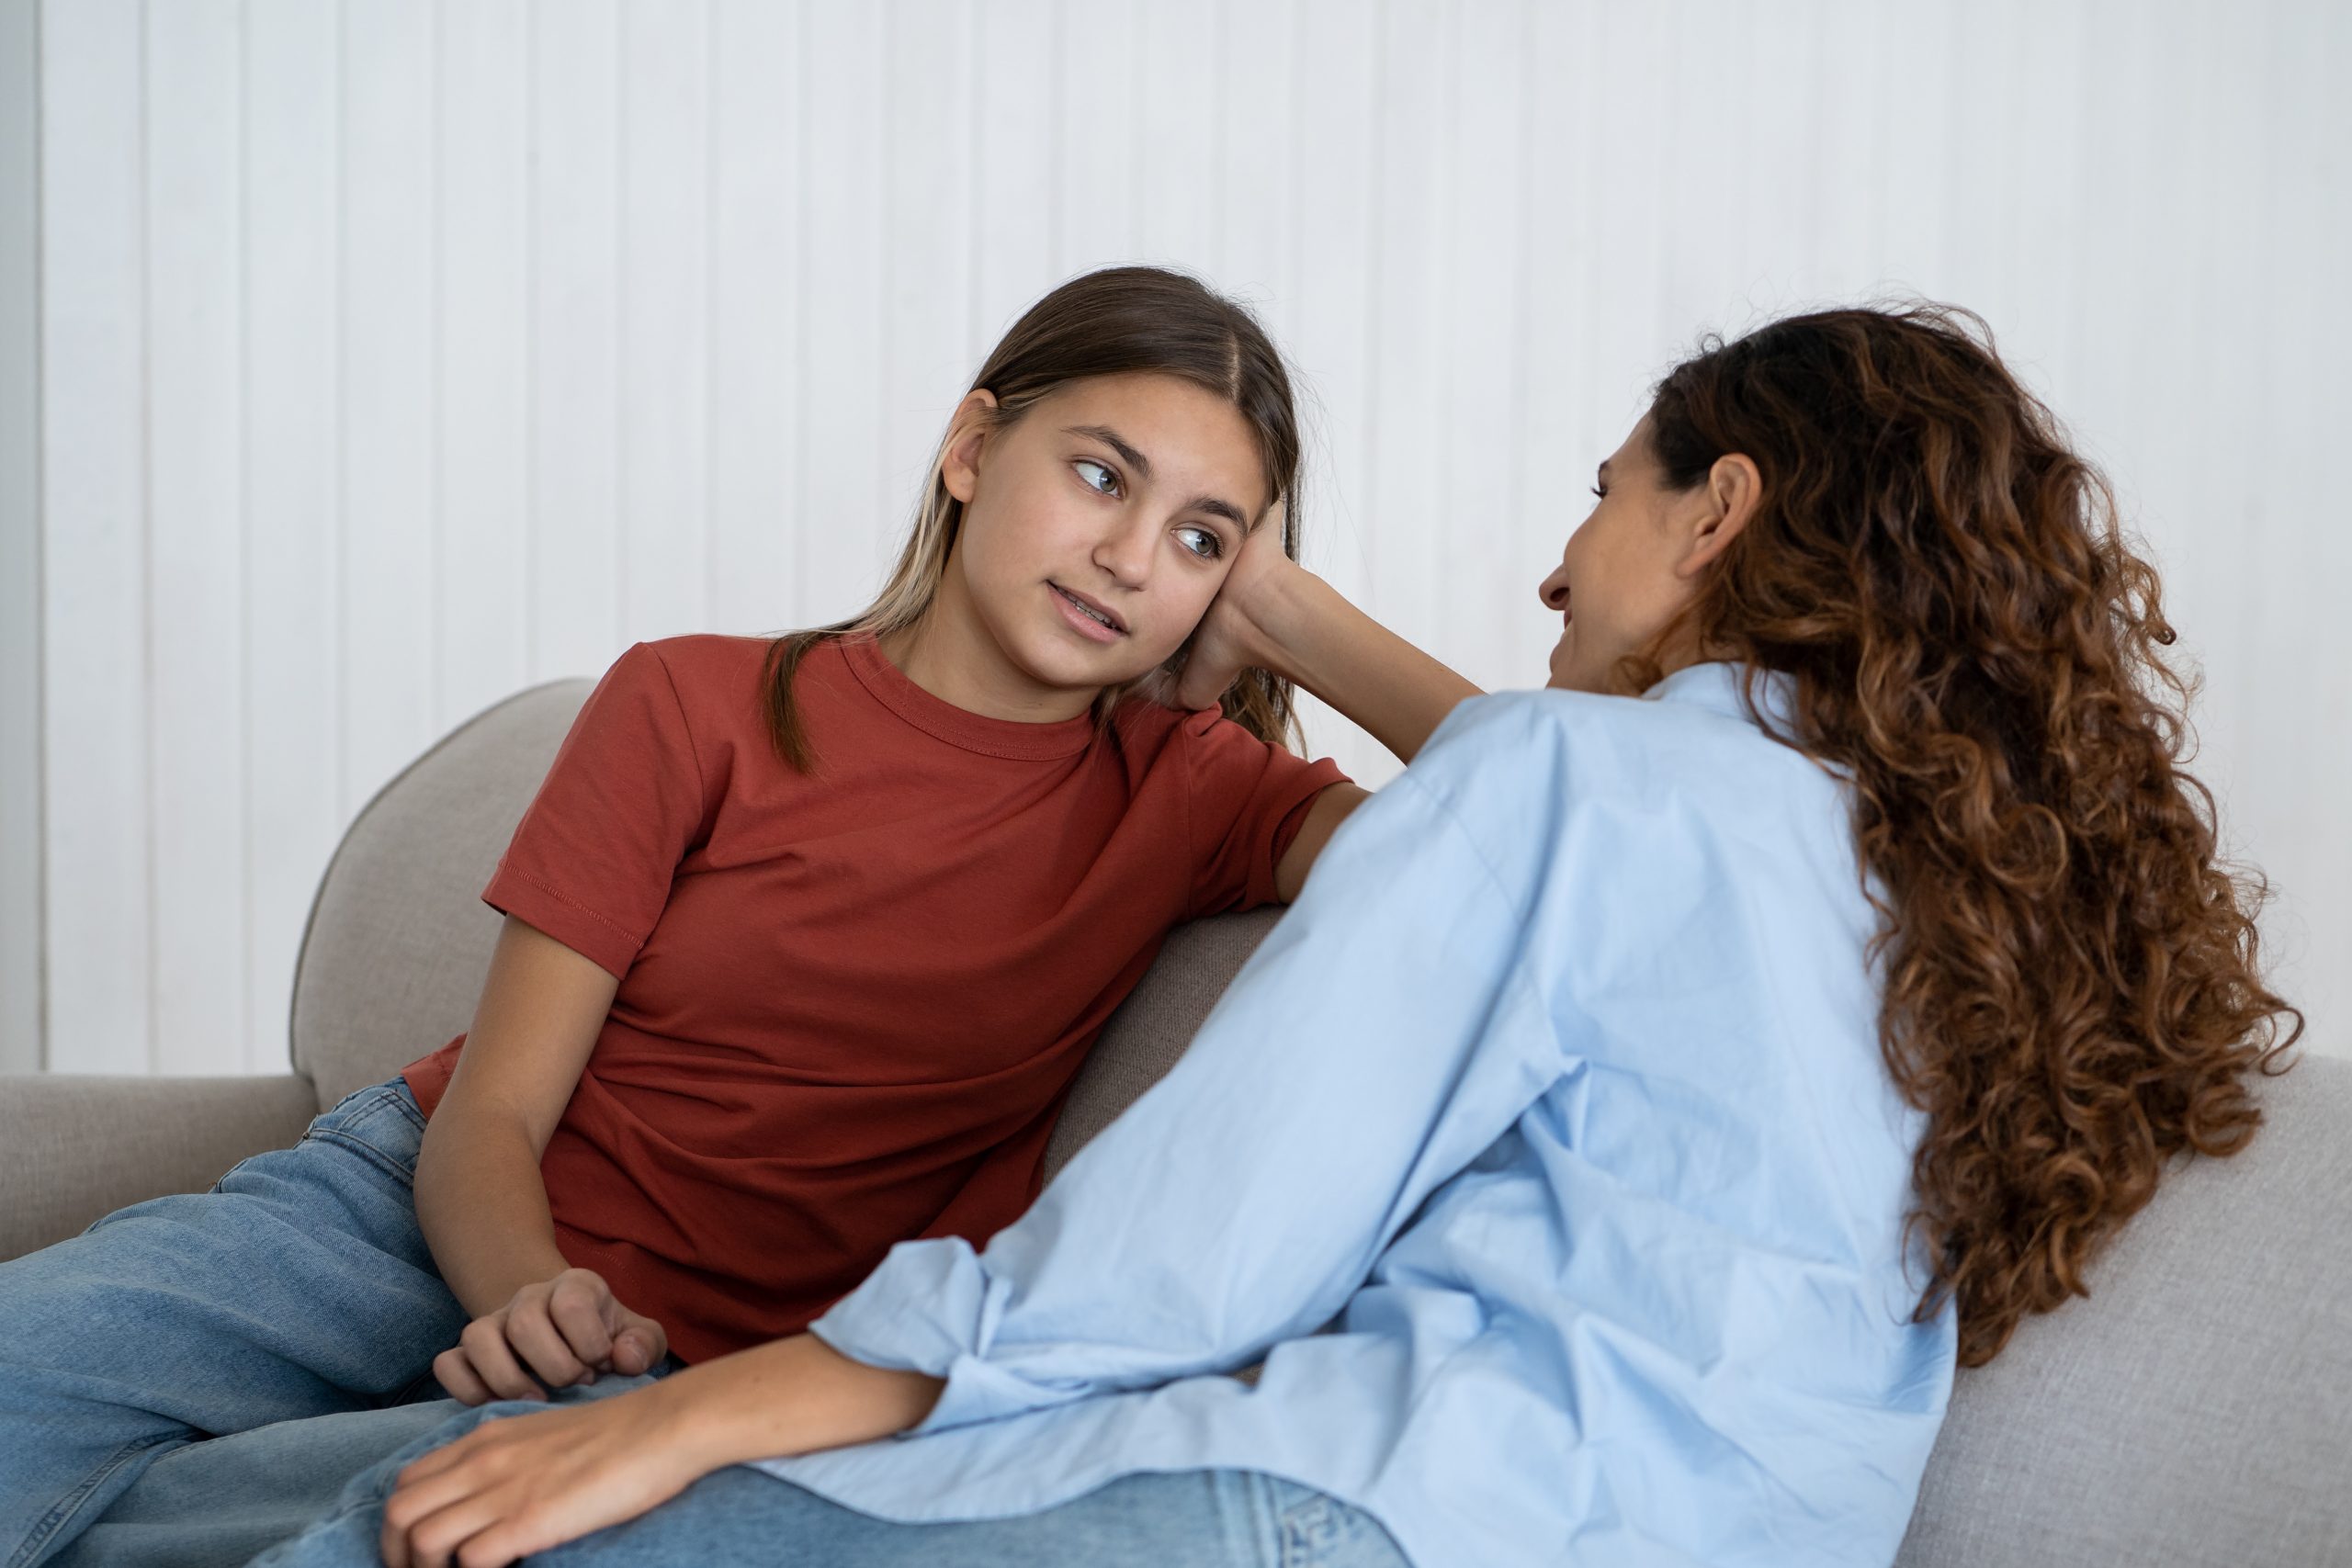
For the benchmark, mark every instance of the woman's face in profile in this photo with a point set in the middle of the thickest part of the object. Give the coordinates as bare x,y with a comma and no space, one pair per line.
1616,586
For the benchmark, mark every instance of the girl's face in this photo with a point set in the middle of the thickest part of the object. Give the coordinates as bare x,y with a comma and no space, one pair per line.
1096,529
1634,564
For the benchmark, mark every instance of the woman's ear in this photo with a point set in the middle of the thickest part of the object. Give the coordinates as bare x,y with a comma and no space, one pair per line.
1734,487
967,432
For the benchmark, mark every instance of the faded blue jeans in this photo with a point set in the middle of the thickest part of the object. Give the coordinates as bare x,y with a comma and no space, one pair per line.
298,1286
1194,1518
194,1379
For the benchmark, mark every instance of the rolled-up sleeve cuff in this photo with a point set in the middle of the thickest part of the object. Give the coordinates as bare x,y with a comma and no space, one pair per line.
932,1308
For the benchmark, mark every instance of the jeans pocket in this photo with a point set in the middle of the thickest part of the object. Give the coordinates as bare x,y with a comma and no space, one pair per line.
381,1122
1321,1531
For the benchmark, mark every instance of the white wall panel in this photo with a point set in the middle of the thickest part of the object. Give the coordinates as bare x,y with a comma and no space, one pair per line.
196,548
22,943
395,355
666,318
389,319
574,301
481,389
293,793
755,305
97,819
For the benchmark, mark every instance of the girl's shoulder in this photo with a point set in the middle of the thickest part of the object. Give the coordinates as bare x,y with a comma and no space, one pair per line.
710,672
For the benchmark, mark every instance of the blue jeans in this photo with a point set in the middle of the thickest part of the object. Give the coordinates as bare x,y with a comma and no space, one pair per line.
298,1286
196,1378
1198,1518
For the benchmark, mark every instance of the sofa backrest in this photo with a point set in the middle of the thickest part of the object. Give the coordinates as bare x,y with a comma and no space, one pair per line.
398,939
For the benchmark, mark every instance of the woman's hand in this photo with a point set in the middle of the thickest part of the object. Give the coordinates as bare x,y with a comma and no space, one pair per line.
1231,637
524,1484
564,1331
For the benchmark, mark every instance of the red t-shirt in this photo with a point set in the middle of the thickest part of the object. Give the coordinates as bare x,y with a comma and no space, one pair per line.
849,1004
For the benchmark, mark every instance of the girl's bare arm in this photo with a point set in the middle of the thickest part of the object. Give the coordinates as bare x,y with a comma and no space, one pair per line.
480,1199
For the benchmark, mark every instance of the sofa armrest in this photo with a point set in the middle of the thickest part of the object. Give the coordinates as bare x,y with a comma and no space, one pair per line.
74,1148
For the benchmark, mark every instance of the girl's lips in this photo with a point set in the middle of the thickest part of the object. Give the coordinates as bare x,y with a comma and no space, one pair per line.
1086,625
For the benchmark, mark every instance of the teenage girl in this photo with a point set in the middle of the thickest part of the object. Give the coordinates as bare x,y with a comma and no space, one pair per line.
1644,1108
805,941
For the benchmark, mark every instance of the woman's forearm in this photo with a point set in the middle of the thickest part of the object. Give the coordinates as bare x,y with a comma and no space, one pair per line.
789,1396
1309,632
483,1207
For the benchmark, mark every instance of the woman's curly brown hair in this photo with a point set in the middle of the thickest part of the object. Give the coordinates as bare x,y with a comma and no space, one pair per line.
2070,986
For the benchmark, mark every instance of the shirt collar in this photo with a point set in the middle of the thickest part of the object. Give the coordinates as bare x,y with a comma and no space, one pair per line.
1715,686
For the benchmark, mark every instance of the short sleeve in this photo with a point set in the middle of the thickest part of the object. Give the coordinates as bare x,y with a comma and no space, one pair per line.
592,860
1249,799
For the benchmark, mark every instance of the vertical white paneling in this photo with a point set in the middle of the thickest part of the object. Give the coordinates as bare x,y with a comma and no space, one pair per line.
1016,109
98,830
665,327
363,361
2299,771
574,370
843,513
292,792
388,328
1404,537
1474,564
1333,102
756,314
482,446
22,947
1253,188
1559,443
1175,104
926,256
1093,68
195,546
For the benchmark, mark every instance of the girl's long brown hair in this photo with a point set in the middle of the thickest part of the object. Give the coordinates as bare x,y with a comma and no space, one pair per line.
1118,320
2070,986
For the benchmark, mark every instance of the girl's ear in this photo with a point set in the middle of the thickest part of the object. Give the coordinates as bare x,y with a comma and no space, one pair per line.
967,432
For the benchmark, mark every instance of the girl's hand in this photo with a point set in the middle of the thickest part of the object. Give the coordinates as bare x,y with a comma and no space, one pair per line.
524,1484
1231,637
564,1330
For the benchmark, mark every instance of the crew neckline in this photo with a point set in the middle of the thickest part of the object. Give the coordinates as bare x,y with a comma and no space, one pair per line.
943,720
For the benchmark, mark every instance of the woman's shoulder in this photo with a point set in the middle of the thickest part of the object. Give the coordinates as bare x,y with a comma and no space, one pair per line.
1692,740
710,672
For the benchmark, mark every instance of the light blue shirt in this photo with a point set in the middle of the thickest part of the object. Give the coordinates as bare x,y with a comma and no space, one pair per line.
1544,1151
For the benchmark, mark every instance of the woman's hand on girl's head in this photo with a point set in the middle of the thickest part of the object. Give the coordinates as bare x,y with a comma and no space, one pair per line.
560,1331
1231,636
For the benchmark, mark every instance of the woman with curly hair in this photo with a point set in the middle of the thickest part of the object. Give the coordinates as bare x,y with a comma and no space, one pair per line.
1654,1094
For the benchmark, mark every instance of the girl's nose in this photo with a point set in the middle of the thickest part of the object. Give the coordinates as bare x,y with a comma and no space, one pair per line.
1125,553
1553,590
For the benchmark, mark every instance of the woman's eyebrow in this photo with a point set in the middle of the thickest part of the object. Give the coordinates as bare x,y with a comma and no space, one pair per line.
1142,465
1601,473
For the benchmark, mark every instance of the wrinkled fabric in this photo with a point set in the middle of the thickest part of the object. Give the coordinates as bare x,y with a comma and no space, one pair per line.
1544,1152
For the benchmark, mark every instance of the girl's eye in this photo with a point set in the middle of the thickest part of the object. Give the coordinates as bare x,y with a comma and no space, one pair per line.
1600,493
1209,548
1083,463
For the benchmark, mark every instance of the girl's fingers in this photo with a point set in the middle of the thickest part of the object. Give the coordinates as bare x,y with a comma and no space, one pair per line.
454,1372
580,1306
647,1339
484,1343
542,1346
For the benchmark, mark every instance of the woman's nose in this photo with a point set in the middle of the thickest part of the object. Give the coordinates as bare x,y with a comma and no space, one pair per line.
1553,591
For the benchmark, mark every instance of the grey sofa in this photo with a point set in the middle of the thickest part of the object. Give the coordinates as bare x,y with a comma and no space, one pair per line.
2196,1409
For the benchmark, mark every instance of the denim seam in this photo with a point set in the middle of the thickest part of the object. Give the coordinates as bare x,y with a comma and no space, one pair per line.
390,1163
57,1518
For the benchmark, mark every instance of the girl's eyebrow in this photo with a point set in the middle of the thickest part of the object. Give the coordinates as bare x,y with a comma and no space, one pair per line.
1142,465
